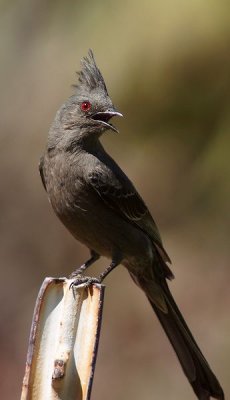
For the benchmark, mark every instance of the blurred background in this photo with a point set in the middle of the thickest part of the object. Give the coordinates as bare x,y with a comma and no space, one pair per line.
166,66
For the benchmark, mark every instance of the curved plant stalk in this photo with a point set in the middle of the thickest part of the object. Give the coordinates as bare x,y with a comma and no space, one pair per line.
63,341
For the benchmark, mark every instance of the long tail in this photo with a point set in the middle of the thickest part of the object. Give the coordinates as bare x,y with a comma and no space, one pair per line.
194,365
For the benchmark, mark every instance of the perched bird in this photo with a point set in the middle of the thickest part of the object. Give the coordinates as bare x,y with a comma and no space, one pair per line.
101,208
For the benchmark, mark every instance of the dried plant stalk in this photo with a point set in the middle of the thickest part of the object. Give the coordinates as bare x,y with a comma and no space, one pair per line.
63,341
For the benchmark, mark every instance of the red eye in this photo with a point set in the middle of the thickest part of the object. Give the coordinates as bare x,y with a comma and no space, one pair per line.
85,106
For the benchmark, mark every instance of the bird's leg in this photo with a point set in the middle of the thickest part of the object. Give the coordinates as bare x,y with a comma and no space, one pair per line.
87,280
94,257
108,269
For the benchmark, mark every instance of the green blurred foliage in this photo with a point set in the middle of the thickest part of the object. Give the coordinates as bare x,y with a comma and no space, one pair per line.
166,65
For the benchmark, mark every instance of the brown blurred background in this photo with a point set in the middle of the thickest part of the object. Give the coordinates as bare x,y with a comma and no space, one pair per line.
167,68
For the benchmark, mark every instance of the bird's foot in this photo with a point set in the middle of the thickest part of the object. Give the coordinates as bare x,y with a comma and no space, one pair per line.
84,281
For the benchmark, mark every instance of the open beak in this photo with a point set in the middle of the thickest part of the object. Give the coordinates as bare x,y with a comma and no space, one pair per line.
105,116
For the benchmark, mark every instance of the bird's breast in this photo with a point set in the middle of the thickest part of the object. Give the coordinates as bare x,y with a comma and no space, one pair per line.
64,185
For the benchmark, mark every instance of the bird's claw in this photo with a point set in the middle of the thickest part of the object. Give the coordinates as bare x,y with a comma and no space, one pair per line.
84,281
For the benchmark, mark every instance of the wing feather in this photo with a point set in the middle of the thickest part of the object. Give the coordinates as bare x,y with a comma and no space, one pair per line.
122,197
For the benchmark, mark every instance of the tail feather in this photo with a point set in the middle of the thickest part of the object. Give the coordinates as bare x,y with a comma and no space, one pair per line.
194,365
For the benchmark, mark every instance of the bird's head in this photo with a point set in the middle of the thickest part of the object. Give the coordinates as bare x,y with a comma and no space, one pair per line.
88,112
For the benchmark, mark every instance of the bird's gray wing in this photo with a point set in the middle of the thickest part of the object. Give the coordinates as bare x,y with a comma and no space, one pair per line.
119,194
120,197
41,164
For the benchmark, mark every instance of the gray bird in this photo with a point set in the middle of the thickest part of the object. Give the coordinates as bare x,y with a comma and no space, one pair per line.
101,208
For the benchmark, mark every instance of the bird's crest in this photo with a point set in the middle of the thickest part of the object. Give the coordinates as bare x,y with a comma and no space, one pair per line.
90,76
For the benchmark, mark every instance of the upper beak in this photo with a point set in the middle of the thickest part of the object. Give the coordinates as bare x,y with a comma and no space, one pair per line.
105,116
